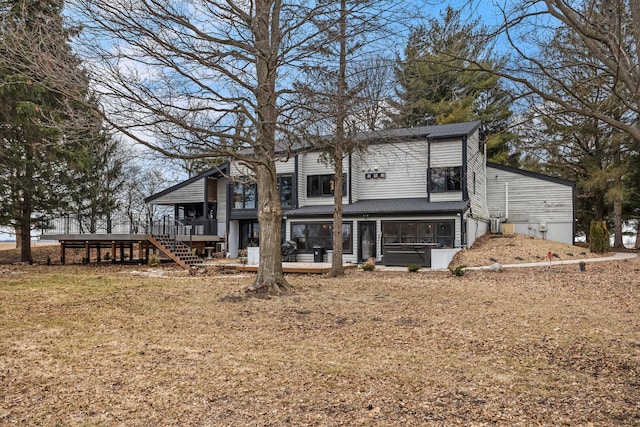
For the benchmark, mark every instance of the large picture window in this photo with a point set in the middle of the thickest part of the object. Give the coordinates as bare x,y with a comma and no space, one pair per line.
441,233
322,185
245,194
310,234
445,179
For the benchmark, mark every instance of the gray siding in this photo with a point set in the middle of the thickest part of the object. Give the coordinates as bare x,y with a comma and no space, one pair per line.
531,203
192,193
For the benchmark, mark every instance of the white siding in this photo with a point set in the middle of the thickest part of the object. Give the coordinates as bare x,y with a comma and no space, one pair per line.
405,166
446,153
192,193
310,164
285,166
222,206
476,178
529,202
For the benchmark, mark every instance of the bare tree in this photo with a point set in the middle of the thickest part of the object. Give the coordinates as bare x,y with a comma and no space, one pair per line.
608,32
180,76
339,87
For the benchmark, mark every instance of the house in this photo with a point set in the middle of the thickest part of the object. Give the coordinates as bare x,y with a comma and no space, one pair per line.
530,203
412,196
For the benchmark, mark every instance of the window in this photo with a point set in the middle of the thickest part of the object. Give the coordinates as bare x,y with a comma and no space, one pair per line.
322,185
440,232
310,234
244,194
446,179
285,189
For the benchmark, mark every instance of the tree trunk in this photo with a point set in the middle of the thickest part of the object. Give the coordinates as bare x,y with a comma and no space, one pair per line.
266,32
337,267
18,237
617,196
25,230
270,276
617,223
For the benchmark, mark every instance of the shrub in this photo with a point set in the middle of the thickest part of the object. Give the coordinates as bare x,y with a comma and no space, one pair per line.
154,260
598,237
458,271
370,265
413,267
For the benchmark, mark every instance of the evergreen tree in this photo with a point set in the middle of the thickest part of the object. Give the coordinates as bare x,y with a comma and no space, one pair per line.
436,85
32,163
585,149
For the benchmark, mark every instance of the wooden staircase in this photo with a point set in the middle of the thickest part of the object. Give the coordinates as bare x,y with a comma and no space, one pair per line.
176,250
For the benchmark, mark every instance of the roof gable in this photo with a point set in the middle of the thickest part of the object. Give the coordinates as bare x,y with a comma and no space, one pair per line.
221,170
531,174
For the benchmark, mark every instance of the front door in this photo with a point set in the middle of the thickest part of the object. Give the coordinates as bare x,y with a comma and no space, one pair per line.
366,240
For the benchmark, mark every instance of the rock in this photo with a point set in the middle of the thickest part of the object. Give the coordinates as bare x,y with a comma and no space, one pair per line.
496,266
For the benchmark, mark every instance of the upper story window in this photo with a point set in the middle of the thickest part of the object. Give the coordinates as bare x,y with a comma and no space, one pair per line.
446,179
245,195
322,185
285,189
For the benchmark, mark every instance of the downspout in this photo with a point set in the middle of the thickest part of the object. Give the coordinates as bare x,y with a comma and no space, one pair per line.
228,209
506,201
350,182
486,206
465,192
428,171
296,203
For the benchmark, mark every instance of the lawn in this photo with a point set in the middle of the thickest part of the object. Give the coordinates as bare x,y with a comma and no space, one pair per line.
127,345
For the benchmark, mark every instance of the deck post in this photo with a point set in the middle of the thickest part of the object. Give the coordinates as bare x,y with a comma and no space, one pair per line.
87,250
140,251
113,252
62,252
121,253
98,251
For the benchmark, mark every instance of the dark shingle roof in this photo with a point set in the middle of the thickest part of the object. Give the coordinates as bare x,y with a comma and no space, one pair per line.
383,207
531,174
453,130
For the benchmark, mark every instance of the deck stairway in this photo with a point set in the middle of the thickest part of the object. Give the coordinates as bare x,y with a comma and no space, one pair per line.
175,249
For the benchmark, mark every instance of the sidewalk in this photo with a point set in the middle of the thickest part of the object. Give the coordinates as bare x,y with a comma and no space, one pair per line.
617,256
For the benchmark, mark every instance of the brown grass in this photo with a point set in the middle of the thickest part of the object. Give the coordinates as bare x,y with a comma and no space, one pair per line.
519,249
112,345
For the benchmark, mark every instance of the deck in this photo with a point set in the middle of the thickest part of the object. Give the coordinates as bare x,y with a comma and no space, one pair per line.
114,242
287,267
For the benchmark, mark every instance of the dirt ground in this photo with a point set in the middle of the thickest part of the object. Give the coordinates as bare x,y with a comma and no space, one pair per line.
130,345
519,249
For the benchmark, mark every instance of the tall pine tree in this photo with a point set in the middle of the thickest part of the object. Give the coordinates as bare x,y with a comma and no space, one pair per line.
33,170
436,85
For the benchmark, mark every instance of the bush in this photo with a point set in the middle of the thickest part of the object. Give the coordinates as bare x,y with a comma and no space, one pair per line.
598,237
370,265
413,267
154,260
458,271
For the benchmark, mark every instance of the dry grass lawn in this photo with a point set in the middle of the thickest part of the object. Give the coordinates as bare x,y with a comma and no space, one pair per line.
129,345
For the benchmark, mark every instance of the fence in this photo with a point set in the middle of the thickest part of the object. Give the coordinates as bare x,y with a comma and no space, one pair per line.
168,225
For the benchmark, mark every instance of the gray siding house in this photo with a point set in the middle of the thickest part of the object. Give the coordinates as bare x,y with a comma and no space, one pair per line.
530,203
414,196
